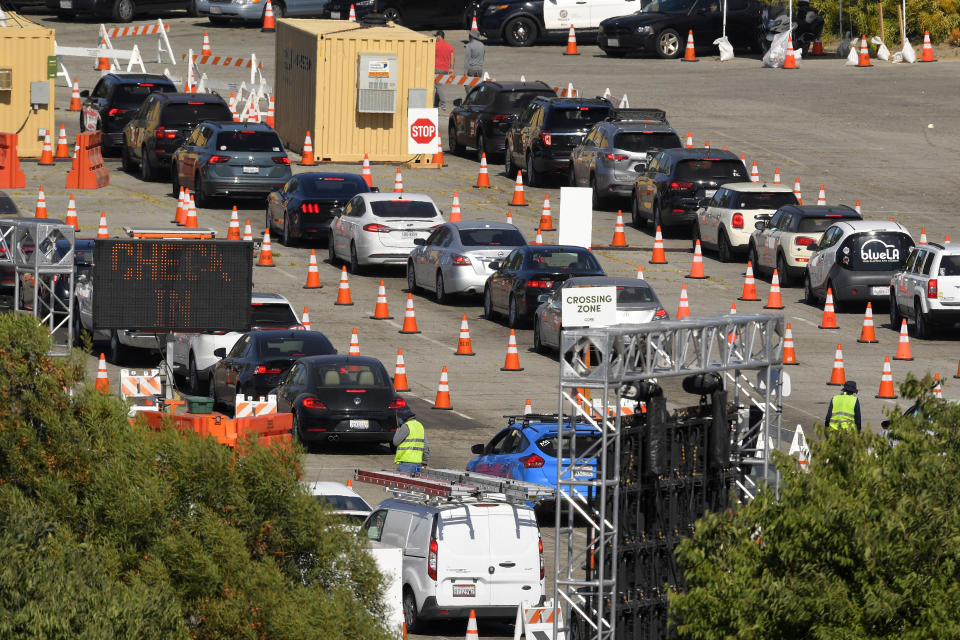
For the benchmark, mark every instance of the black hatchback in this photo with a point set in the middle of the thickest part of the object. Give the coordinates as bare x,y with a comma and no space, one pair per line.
541,139
114,100
482,119
308,203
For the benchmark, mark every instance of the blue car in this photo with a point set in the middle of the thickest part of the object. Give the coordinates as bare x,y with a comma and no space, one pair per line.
526,450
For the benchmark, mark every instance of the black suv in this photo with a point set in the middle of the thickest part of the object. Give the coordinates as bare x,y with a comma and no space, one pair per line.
668,193
541,139
482,118
114,100
162,124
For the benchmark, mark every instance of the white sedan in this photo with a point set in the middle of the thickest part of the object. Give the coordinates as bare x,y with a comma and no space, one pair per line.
380,228
727,220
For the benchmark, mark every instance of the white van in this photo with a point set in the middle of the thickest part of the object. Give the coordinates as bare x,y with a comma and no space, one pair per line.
462,555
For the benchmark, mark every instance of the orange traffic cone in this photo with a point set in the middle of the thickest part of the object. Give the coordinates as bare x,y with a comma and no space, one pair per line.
754,173
838,376
790,61
443,392
538,239
923,236
473,24
305,319
247,232
191,221
455,208
409,317
180,216
546,216
957,375
464,345
639,272
269,26
822,197
41,209
867,333
776,176
937,389
398,182
437,157
102,231
63,149
381,311
354,349
856,208
690,55
683,310
571,43
271,118
483,177
903,345
689,142
313,273
103,382
796,191
527,407
103,63
233,108
75,103
72,214
266,255
185,212
509,217
774,301
205,49
864,60
512,361
343,293
306,158
659,255
829,320
706,144
472,622
352,16
518,199
789,351
927,54
749,293
233,231
46,156
619,235
696,267
365,171
400,374
886,391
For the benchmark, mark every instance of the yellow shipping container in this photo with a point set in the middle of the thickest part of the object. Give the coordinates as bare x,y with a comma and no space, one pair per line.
25,48
326,83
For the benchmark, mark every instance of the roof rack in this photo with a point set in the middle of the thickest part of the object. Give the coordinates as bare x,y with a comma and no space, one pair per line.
658,116
452,484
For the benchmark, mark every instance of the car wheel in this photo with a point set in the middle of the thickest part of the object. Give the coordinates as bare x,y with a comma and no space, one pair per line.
513,314
598,200
635,216
508,167
808,295
411,278
694,236
724,248
455,147
297,429
268,221
331,251
752,257
192,9
785,279
488,311
117,351
285,236
895,316
175,182
537,340
78,330
123,10
194,384
410,614
520,32
125,160
392,15
146,169
440,291
279,10
354,262
199,199
921,325
668,44
838,304
481,145
657,221
531,179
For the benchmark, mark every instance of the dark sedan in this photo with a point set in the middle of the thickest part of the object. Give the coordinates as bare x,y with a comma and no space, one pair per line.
528,272
341,398
115,99
258,360
308,203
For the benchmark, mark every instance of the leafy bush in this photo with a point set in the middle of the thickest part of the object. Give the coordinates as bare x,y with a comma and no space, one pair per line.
940,17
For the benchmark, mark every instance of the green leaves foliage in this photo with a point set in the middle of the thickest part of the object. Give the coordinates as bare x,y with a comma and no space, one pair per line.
863,17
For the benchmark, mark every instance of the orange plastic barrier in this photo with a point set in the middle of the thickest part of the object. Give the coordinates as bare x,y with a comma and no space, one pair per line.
88,171
270,430
11,177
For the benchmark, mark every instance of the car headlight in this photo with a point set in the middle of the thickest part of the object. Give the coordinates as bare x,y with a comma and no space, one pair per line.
493,8
645,30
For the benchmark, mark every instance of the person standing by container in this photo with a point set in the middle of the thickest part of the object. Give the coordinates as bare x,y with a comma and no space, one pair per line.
444,58
473,55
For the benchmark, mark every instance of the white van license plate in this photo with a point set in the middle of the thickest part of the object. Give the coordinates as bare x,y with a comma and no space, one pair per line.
879,291
464,591
359,424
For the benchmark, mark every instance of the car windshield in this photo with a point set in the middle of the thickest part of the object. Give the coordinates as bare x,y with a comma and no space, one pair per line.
343,503
875,251
949,266
640,142
491,238
548,443
180,114
517,100
773,200
303,345
403,209
668,6
342,374
709,169
252,141
132,95
337,188
566,118
815,225
551,260
272,315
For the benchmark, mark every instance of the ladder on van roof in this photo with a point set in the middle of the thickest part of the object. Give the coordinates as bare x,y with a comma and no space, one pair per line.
453,484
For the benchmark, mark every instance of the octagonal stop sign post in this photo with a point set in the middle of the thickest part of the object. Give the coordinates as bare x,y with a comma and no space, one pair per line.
423,131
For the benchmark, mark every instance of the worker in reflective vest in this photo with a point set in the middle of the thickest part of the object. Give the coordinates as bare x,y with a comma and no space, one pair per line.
413,450
844,410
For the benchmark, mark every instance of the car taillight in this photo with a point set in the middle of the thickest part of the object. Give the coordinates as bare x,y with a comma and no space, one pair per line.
737,221
115,111
932,288
803,241
432,559
540,548
310,207
312,403
547,139
539,284
617,156
500,117
219,159
280,160
165,134
462,261
375,226
532,461
661,314
397,403
676,185
261,369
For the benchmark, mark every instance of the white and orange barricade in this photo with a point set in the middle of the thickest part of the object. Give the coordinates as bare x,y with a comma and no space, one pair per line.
248,406
141,390
536,622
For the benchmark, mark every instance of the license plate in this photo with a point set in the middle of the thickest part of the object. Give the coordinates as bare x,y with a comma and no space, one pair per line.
709,193
66,4
409,234
334,15
464,591
613,42
359,424
216,10
879,291
583,472
251,169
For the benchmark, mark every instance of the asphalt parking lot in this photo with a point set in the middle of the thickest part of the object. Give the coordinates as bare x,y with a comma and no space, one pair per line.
886,136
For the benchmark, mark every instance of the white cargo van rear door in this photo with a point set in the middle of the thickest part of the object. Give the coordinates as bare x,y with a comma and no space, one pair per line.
463,557
514,556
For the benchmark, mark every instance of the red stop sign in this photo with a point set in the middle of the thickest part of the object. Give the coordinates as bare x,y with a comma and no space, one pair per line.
423,131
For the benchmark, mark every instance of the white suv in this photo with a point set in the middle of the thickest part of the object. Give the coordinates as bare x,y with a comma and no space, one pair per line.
927,289
856,259
726,220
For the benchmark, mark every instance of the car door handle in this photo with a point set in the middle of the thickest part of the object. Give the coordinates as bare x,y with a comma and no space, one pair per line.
509,565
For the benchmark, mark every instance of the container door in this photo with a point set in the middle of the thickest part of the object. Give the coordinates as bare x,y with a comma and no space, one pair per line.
463,557
514,555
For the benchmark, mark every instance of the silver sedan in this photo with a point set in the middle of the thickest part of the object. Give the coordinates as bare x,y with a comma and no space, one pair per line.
456,257
637,303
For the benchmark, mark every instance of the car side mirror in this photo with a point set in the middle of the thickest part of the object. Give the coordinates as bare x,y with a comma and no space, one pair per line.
542,297
813,246
375,189
85,94
512,118
495,265
336,211
759,225
458,102
476,449
704,202
420,242
220,352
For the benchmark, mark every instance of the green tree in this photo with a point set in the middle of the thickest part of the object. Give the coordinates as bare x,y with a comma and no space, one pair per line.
865,545
113,531
862,17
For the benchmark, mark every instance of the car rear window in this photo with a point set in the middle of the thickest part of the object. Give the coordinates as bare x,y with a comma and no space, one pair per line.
252,141
640,142
491,238
402,209
337,188
815,225
773,200
343,503
949,266
350,375
708,169
875,251
305,345
547,260
582,441
629,295
575,117
272,315
179,114
133,95
517,100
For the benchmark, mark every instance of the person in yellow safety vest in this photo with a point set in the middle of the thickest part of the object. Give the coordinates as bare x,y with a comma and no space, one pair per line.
844,409
413,449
